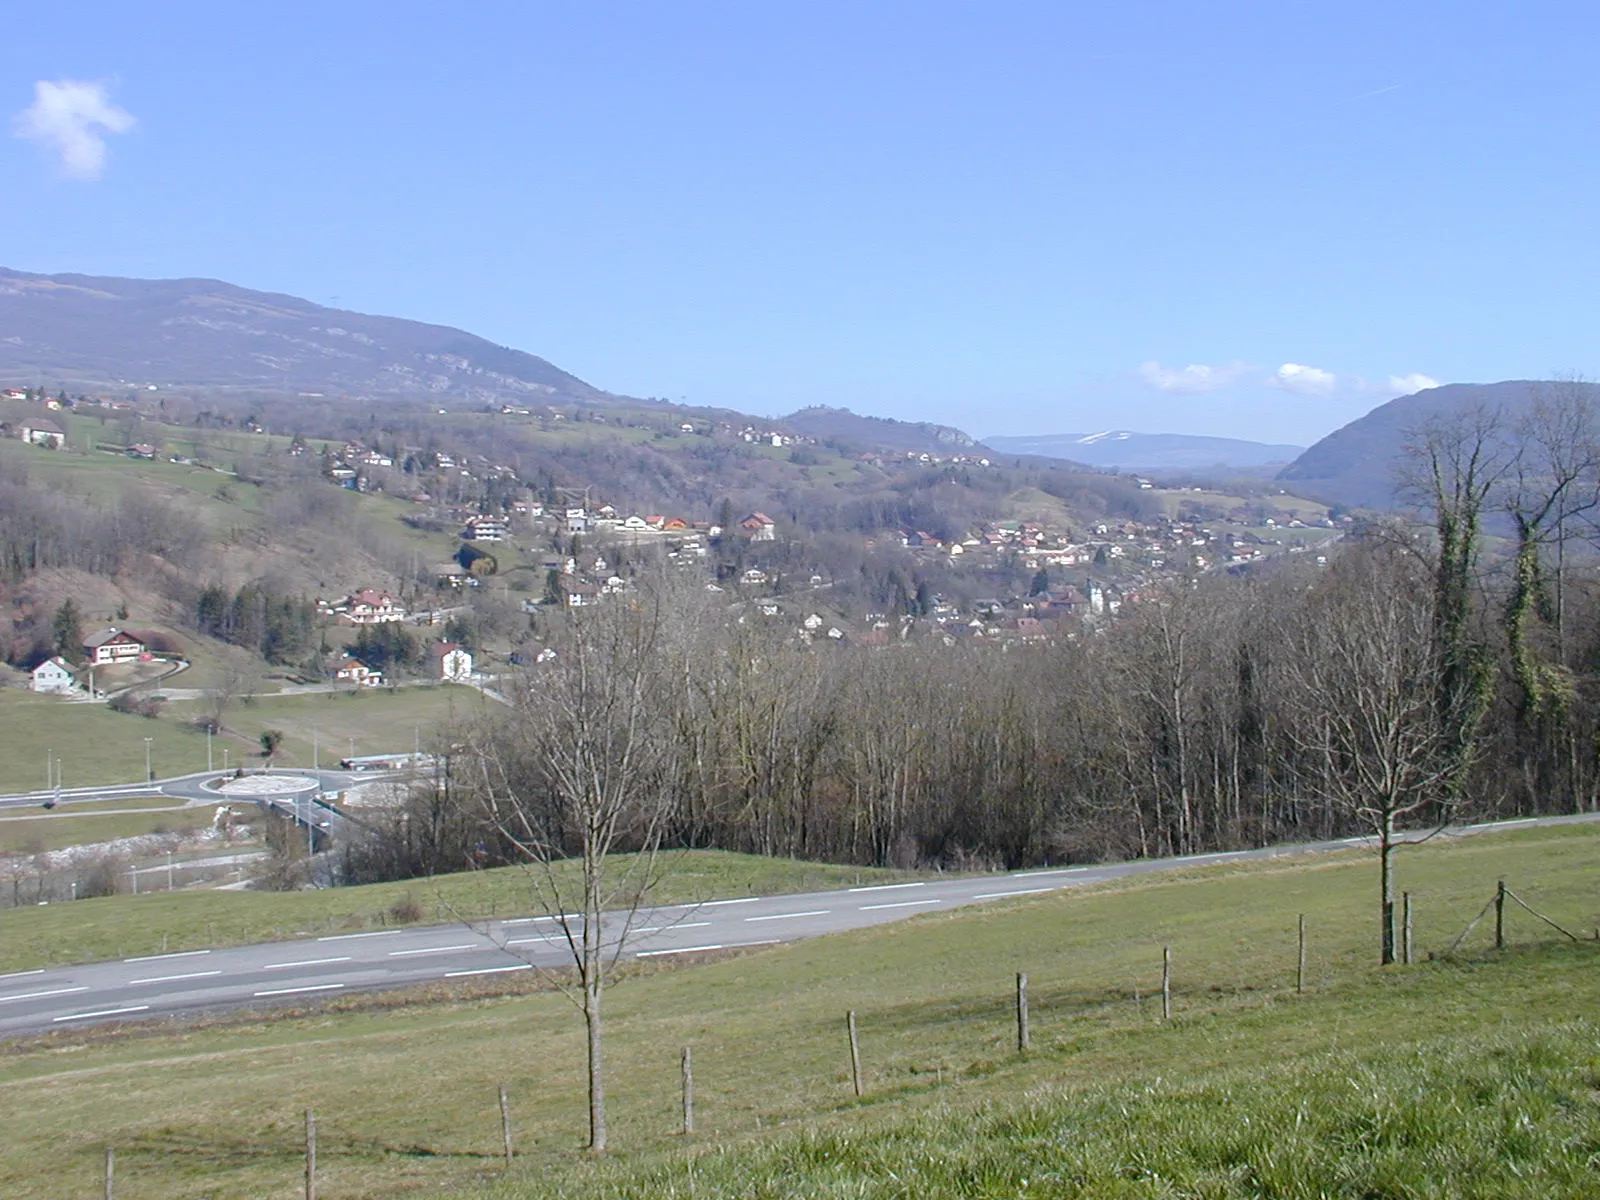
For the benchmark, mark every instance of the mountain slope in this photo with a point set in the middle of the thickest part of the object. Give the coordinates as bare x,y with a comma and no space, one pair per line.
1358,464
85,330
824,423
1146,451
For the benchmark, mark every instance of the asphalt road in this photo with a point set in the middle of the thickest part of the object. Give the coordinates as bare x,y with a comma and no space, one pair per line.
190,788
161,985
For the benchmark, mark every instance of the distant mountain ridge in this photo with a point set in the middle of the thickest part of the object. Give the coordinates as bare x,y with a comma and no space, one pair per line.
1357,465
821,422
1126,450
101,331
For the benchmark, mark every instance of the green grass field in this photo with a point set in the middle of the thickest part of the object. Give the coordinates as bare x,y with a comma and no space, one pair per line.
118,926
83,824
95,745
98,746
1468,1077
329,726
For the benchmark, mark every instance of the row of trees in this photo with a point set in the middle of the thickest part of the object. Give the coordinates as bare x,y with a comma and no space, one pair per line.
282,629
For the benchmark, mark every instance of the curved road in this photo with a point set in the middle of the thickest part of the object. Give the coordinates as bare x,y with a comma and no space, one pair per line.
161,985
191,788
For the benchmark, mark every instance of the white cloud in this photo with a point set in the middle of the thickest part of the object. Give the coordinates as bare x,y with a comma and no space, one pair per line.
1404,385
1307,381
72,117
1192,380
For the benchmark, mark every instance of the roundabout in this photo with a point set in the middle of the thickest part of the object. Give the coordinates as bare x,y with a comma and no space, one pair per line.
265,787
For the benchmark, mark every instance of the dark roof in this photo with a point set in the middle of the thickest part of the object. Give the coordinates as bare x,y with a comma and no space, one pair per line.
105,636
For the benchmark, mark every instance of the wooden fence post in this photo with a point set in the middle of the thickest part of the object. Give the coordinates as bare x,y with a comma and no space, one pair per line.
1166,983
855,1051
311,1155
1300,962
1024,1039
1405,929
688,1091
505,1123
111,1173
1500,915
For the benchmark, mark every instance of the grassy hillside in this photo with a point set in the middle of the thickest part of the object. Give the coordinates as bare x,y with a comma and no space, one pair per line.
1471,1077
98,746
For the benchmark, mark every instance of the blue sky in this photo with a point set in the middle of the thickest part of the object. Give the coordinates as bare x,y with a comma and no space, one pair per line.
1249,219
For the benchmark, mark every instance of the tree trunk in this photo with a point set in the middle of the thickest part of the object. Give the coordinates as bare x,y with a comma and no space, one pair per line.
597,1079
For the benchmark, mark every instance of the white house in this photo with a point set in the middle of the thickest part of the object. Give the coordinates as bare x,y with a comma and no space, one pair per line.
759,526
54,675
371,607
486,528
353,670
113,646
39,432
451,663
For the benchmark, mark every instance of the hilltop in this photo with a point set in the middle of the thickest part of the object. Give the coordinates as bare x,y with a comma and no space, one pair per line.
94,331
840,424
1358,464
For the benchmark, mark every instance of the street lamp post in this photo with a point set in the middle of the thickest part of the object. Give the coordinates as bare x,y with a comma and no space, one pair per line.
225,760
208,746
149,771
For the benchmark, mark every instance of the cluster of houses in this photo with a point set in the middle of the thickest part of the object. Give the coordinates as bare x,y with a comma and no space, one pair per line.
1163,544
448,662
104,648
360,468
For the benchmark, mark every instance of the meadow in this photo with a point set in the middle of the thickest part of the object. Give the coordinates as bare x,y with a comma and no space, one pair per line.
1473,1075
30,831
98,746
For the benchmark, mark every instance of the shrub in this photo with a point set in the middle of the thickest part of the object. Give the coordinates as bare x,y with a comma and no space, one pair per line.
141,704
407,910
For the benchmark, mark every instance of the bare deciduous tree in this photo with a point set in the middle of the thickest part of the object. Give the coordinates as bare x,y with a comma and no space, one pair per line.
576,771
1364,669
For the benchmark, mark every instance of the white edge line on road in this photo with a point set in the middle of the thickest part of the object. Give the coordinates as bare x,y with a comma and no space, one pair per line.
695,949
305,962
676,950
488,971
1052,871
104,1012
885,887
434,949
159,957
710,903
550,937
1018,892
674,925
23,974
815,912
316,987
175,978
527,920
339,937
898,904
41,995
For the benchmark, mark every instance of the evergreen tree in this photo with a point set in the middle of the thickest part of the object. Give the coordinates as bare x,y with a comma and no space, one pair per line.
67,629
